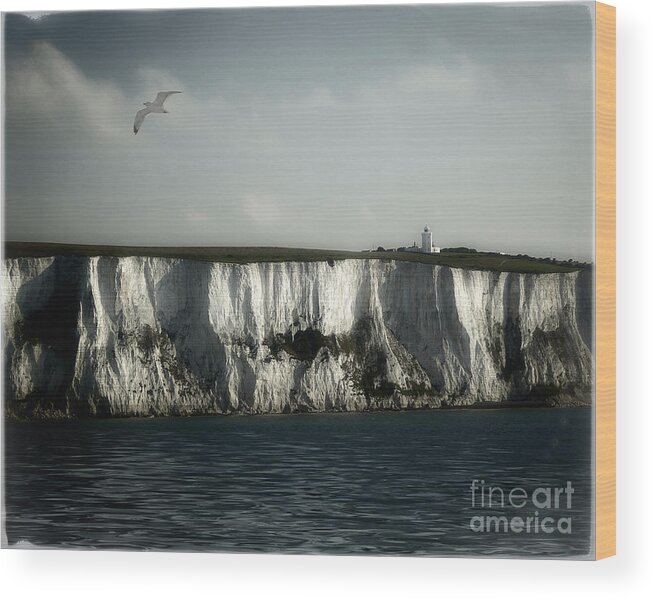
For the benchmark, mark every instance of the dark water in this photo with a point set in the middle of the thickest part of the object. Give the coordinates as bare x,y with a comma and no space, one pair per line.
379,483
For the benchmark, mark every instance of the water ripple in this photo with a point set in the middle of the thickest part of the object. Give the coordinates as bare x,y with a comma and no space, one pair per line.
384,483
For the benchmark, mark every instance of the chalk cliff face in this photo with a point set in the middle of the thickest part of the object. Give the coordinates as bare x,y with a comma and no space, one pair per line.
156,336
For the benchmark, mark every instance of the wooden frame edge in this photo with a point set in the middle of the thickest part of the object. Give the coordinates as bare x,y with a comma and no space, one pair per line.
605,290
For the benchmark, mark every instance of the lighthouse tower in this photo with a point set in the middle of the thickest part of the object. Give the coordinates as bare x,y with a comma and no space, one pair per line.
426,240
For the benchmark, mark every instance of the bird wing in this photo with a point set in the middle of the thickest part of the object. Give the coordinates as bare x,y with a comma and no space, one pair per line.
161,96
138,120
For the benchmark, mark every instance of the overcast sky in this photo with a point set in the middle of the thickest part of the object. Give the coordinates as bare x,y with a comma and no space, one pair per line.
318,127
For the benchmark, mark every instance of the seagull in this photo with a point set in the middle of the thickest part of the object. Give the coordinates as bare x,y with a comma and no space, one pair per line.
151,107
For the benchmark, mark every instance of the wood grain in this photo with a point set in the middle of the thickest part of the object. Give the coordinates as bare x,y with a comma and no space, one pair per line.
605,280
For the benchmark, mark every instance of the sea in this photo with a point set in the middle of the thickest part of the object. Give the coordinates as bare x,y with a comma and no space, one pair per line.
487,483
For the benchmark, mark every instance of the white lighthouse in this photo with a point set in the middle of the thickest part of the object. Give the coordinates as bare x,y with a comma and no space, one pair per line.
426,240
426,246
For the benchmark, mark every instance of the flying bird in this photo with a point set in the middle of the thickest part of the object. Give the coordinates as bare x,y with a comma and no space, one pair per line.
151,107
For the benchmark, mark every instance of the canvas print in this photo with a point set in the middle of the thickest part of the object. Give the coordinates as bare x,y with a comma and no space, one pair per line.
300,280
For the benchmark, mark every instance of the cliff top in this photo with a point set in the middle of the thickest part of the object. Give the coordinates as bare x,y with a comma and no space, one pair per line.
485,261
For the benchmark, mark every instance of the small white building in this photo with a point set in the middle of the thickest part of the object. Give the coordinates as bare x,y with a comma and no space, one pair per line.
426,246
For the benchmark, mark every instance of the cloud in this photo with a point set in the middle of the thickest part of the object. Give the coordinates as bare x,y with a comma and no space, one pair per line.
321,97
262,209
423,84
46,89
429,78
36,15
402,88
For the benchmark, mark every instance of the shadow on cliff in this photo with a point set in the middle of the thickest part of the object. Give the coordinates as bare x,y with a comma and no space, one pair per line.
47,337
182,309
514,364
421,311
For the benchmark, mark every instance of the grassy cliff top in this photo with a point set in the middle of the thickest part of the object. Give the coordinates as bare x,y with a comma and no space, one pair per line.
485,261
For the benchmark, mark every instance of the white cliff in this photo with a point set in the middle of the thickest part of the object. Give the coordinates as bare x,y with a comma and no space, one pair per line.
143,336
